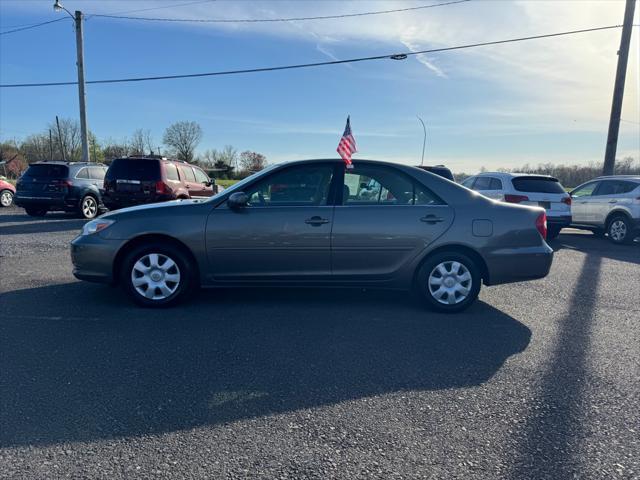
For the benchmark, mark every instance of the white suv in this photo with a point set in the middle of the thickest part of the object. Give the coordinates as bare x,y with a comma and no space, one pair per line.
527,189
609,205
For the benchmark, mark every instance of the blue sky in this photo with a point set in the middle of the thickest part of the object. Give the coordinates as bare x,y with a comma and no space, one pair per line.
502,106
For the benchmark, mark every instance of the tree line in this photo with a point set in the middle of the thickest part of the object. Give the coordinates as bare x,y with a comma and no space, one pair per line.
570,175
62,141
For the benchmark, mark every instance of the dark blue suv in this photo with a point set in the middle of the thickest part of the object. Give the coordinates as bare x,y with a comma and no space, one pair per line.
67,186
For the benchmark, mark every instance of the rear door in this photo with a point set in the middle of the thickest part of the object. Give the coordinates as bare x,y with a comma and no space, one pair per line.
609,195
189,180
582,203
284,232
131,180
384,220
489,187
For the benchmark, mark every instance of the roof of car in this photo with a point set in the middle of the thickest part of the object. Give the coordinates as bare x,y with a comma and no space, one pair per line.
515,174
69,164
618,177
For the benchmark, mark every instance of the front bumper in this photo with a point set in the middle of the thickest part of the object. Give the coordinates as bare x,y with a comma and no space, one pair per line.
93,258
518,264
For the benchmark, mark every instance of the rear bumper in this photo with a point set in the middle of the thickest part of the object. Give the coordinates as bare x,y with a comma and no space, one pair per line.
561,221
115,201
518,264
52,202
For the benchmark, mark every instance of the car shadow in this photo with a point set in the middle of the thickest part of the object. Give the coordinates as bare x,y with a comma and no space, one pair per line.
98,368
17,224
596,246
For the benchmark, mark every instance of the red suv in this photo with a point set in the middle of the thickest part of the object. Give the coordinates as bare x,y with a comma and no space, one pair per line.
137,180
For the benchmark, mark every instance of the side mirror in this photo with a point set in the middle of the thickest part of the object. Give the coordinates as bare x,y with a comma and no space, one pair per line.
238,200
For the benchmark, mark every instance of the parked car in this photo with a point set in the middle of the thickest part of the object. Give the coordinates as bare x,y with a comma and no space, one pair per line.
66,186
7,191
526,189
441,170
139,180
308,223
608,205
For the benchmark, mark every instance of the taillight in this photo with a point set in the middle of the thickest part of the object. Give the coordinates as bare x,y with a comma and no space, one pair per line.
162,188
566,200
59,185
541,224
515,198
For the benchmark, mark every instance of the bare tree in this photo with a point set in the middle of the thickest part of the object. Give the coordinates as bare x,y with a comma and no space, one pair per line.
69,134
182,138
114,149
37,148
141,142
252,161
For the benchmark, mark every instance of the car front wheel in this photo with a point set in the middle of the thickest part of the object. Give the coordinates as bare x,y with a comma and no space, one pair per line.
449,282
6,198
157,275
619,230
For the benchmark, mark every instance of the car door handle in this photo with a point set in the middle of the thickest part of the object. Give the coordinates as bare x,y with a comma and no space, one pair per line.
316,221
613,201
431,219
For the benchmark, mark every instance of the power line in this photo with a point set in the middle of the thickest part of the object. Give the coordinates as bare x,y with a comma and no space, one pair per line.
156,8
267,20
33,26
395,56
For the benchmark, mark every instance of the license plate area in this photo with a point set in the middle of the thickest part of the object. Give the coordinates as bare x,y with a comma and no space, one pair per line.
545,205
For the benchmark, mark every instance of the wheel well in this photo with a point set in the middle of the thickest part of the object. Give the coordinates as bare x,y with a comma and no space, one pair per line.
614,214
146,239
462,249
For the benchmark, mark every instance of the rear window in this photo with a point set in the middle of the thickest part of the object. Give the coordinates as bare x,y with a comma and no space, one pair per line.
47,171
130,169
537,185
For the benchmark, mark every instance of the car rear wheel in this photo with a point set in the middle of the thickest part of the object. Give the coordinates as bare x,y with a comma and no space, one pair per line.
6,198
89,207
553,232
157,275
619,230
36,212
449,282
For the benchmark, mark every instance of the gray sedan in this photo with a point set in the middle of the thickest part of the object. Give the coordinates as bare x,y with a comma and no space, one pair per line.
317,223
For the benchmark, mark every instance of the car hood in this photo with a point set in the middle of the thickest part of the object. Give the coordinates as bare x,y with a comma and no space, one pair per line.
152,206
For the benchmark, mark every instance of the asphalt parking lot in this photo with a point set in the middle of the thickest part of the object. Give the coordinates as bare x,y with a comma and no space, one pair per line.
537,380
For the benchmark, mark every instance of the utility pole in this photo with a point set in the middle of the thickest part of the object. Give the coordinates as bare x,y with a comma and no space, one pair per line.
618,89
84,133
81,93
50,146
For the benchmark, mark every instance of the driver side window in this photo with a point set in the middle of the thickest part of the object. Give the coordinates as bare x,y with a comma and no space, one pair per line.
304,185
585,190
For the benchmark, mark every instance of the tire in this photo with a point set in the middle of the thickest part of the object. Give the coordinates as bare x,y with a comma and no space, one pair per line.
619,230
139,264
89,207
36,211
6,198
553,232
443,265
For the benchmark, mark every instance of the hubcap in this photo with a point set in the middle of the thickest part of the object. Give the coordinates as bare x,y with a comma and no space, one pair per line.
89,207
450,282
618,230
155,276
6,199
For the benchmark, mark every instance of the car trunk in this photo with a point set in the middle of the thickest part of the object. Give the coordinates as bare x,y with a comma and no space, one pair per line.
44,180
545,192
132,180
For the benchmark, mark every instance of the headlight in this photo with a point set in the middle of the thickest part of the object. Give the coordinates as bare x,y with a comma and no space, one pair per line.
94,226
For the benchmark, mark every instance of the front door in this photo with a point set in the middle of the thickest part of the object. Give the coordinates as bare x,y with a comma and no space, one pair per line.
582,203
386,218
284,232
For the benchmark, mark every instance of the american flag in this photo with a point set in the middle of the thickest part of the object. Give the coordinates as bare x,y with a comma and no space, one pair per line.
347,145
